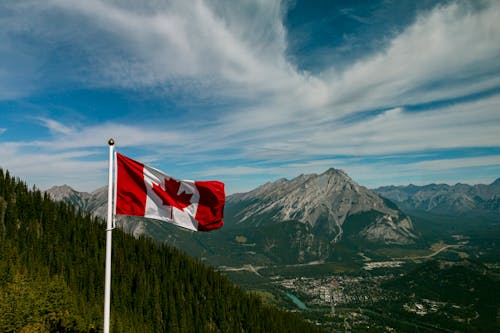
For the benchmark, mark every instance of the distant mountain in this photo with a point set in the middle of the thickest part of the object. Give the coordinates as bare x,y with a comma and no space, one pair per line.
324,203
96,202
286,221
453,200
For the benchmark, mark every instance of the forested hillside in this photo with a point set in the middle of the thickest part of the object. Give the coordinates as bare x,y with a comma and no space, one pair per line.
52,276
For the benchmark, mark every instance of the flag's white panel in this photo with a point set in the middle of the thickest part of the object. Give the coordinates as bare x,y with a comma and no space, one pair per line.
156,207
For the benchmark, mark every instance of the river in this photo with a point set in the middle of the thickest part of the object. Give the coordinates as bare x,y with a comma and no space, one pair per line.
297,301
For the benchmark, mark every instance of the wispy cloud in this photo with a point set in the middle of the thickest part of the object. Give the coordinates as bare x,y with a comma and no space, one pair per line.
468,124
46,169
55,126
183,44
392,131
239,50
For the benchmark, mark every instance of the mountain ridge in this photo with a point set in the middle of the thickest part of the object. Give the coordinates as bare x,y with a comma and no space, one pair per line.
292,221
286,221
454,200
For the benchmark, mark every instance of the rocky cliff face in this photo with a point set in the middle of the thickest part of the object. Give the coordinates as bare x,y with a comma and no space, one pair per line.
324,202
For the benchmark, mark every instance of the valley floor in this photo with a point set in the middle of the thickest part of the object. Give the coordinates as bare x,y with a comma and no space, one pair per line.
372,295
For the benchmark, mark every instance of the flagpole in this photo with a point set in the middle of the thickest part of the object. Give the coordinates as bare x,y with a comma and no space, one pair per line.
109,230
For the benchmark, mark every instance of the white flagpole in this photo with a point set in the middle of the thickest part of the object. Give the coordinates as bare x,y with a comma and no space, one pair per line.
109,230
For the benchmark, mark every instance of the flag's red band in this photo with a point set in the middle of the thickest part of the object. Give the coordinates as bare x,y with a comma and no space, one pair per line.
211,205
130,188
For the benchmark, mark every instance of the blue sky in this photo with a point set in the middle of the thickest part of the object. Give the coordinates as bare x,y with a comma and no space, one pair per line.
392,92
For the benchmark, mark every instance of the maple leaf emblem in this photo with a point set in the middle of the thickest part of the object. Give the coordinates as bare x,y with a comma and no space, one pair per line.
171,196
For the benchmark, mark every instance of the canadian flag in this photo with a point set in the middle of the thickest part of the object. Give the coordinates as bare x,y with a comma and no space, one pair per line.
145,191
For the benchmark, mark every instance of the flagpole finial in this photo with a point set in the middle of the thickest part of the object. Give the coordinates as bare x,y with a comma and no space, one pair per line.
111,142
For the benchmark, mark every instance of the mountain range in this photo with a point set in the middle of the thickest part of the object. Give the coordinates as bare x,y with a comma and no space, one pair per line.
451,200
304,219
286,221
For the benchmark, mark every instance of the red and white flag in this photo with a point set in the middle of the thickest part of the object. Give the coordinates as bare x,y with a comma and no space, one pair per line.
145,191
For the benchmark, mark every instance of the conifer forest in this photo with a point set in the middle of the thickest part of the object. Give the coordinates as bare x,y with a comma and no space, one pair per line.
52,277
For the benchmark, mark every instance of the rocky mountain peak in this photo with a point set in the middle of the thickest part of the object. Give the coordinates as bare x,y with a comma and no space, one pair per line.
323,202
68,194
89,202
62,189
333,171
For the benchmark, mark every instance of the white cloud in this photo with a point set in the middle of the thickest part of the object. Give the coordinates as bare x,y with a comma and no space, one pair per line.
46,169
55,126
124,135
189,42
469,124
